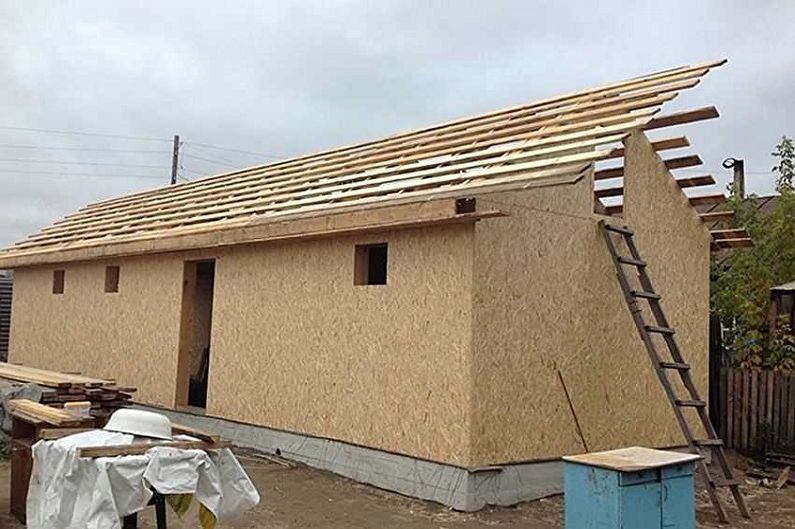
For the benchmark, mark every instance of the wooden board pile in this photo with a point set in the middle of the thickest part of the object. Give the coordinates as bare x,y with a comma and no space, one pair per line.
34,412
104,395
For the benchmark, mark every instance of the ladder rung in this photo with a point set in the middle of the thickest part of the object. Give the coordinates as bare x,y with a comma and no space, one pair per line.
631,261
661,330
691,403
675,365
647,295
620,229
708,442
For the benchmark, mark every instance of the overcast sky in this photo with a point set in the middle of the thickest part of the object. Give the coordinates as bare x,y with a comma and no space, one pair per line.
283,78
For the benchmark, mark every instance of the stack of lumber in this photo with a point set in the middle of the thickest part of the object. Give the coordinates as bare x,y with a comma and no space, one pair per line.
104,395
37,413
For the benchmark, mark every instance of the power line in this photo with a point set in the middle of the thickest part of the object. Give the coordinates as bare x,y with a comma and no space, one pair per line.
93,149
208,146
64,174
66,162
82,133
217,162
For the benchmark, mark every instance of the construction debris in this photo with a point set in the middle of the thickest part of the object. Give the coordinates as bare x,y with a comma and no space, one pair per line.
774,471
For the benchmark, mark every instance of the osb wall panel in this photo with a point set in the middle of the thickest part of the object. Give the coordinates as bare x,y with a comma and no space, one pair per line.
130,335
675,243
297,346
549,312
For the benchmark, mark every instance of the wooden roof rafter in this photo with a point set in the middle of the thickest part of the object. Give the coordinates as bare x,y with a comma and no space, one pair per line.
549,142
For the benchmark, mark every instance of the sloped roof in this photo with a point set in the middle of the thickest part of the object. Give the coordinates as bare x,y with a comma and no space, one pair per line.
548,142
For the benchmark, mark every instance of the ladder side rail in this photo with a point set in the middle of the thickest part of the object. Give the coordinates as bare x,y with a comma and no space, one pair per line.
717,451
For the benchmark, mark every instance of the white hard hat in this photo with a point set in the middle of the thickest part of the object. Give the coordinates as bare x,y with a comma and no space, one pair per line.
140,422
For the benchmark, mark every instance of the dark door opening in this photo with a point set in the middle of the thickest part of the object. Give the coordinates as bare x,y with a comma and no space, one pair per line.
193,367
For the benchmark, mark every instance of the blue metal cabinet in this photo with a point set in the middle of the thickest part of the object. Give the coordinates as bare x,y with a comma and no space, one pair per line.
631,488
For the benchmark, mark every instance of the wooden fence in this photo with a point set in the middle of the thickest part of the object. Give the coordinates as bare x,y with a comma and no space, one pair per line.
757,409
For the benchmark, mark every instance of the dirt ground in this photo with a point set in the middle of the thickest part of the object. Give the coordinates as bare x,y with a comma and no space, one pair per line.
295,496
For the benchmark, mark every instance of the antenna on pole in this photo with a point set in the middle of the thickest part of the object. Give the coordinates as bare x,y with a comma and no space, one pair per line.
175,160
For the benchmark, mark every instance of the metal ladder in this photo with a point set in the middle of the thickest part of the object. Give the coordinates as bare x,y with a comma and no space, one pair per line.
676,363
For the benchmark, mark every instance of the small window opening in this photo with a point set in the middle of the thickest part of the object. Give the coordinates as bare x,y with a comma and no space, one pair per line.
57,281
370,263
111,279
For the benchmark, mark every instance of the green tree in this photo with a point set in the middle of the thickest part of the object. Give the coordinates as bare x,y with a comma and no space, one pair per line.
741,282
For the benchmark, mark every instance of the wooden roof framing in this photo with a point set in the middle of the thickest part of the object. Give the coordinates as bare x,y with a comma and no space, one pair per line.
548,142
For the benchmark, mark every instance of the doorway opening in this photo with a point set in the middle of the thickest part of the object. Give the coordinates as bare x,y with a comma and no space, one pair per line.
193,365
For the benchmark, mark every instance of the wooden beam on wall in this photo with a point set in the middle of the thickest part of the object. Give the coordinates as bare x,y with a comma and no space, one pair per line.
680,118
717,216
733,233
673,163
693,181
707,199
678,142
745,242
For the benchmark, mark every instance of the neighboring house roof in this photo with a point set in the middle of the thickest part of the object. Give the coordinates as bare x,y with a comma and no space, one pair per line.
548,142
764,204
786,287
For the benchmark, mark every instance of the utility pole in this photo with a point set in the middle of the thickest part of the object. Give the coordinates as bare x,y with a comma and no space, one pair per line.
739,175
175,160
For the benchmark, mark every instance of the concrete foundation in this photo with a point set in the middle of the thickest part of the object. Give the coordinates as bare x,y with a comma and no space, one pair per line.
463,489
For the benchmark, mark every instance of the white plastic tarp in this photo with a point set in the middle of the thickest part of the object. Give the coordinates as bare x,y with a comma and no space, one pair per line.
67,492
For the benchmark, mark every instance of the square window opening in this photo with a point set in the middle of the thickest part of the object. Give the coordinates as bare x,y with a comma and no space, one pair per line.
58,281
370,264
111,279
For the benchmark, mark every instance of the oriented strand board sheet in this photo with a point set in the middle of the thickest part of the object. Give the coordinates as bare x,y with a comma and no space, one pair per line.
633,459
548,312
675,243
298,346
130,335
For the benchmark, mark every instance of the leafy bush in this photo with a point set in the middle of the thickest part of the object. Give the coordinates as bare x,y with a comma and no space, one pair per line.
741,282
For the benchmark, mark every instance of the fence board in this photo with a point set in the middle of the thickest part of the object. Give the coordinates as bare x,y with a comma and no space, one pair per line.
753,410
758,411
790,411
727,422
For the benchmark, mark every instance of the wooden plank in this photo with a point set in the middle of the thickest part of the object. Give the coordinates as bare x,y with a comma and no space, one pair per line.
776,407
746,242
790,440
678,142
728,422
700,200
696,181
734,233
738,408
680,118
746,387
238,195
769,402
193,432
716,216
670,164
139,449
316,159
753,408
693,181
49,434
404,176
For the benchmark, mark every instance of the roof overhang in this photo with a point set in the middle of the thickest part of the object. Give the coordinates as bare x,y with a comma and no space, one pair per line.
371,220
